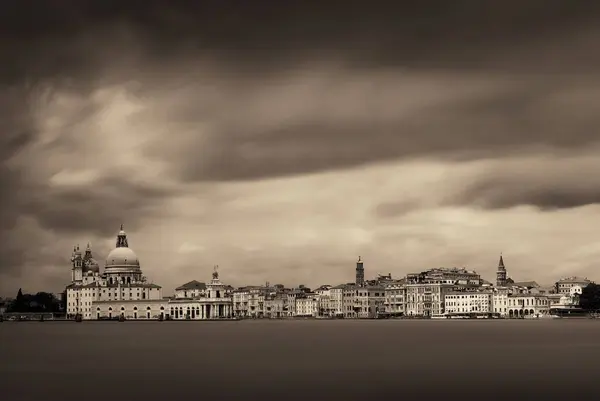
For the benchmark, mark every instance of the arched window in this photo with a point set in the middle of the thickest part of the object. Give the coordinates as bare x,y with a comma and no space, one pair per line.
148,308
135,308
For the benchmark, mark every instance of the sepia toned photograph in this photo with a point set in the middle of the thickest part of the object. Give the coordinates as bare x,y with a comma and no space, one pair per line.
299,200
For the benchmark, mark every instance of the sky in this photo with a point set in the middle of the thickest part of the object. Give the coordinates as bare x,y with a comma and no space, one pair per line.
282,140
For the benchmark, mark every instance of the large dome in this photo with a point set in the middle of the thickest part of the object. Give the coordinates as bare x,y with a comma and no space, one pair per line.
122,257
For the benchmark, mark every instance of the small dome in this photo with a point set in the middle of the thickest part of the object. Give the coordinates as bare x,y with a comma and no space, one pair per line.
122,256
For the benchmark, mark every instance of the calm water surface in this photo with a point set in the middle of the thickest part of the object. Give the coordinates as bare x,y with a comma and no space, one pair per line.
350,360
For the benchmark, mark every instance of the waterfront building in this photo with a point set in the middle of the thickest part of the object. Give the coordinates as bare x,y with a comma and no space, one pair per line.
363,302
256,301
500,301
307,306
215,302
568,301
564,285
336,300
120,285
527,305
395,293
375,301
324,298
240,298
425,291
350,292
292,296
121,290
275,306
468,302
426,299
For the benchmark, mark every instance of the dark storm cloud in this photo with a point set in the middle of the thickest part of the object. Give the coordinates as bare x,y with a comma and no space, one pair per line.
498,193
96,208
543,182
82,46
461,34
515,115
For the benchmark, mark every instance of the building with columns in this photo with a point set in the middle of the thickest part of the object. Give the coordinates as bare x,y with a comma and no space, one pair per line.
121,290
215,302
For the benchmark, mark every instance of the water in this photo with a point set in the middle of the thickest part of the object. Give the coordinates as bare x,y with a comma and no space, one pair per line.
299,360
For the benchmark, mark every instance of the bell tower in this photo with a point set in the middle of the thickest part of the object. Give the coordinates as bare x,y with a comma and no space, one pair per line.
360,272
501,273
77,262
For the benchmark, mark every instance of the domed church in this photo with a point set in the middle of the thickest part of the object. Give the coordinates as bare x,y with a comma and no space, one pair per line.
95,295
123,291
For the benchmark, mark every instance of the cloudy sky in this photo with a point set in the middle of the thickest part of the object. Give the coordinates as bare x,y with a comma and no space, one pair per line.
281,141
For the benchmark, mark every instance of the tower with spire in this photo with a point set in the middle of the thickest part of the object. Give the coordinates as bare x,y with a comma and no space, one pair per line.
360,272
501,273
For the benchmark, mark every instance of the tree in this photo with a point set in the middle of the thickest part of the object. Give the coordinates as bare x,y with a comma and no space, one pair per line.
40,302
18,303
590,297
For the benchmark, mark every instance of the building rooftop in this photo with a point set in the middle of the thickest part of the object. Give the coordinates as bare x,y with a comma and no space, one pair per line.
98,285
527,284
573,280
192,285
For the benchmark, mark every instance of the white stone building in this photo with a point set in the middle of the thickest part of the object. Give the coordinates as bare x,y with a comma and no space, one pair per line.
525,305
307,306
426,299
395,297
349,299
336,300
122,290
564,285
425,291
214,302
468,302
500,301
324,298
240,302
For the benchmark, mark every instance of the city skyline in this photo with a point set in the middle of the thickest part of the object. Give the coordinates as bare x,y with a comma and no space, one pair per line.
282,152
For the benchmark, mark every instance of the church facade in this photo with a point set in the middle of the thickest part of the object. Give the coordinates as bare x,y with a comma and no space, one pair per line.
121,290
